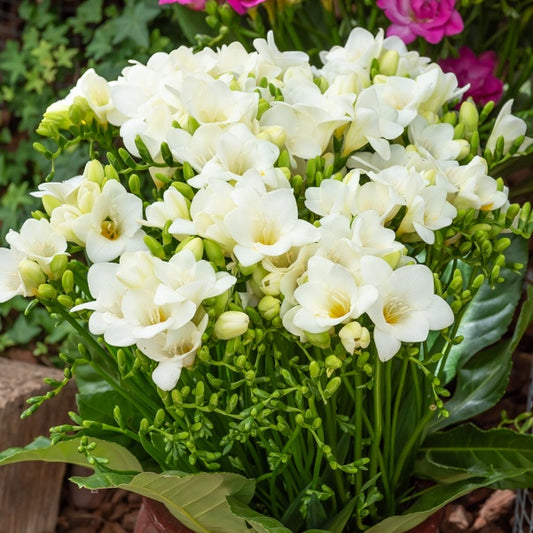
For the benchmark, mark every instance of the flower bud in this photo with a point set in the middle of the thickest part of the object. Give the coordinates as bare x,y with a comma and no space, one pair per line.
94,171
269,307
274,134
469,116
50,203
31,274
354,336
196,246
388,63
58,265
231,324
321,340
46,291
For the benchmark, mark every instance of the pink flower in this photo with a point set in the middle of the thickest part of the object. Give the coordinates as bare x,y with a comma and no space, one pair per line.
478,72
197,5
430,19
241,6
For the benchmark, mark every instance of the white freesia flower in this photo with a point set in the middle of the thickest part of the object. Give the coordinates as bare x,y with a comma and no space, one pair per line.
211,101
208,210
95,90
114,224
174,205
428,211
185,278
436,140
333,197
196,149
330,296
38,242
11,283
238,150
406,308
174,350
510,128
266,226
475,188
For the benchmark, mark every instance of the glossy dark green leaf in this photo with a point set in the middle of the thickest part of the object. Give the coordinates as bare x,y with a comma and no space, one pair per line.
477,452
483,380
489,314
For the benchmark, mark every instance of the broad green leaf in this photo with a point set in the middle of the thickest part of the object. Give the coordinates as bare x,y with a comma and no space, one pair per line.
489,314
41,449
483,380
198,501
495,451
259,522
429,503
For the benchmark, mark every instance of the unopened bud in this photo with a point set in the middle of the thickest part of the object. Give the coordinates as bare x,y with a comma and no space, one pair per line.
388,63
58,265
354,336
469,116
321,340
50,203
196,246
231,324
94,171
31,274
269,307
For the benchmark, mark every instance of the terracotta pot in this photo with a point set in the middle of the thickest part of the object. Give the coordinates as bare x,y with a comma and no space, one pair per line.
154,517
430,525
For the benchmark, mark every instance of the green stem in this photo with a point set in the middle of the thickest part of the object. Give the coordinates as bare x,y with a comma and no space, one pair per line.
358,441
407,449
378,417
396,410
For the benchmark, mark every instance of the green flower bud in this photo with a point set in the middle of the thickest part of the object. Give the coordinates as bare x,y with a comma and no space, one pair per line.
388,62
469,116
31,274
154,246
269,307
46,291
94,171
321,340
332,387
314,370
65,301
58,265
231,324
50,203
214,253
333,362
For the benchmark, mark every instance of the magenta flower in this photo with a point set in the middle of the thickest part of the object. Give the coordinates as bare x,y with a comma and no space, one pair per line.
478,72
242,6
197,5
429,19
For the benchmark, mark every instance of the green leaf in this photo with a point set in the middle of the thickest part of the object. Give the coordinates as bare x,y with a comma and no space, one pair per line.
133,23
489,314
41,449
432,500
339,521
259,522
483,380
198,501
501,452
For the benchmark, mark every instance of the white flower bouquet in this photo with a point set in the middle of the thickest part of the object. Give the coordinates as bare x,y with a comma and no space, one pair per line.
286,282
